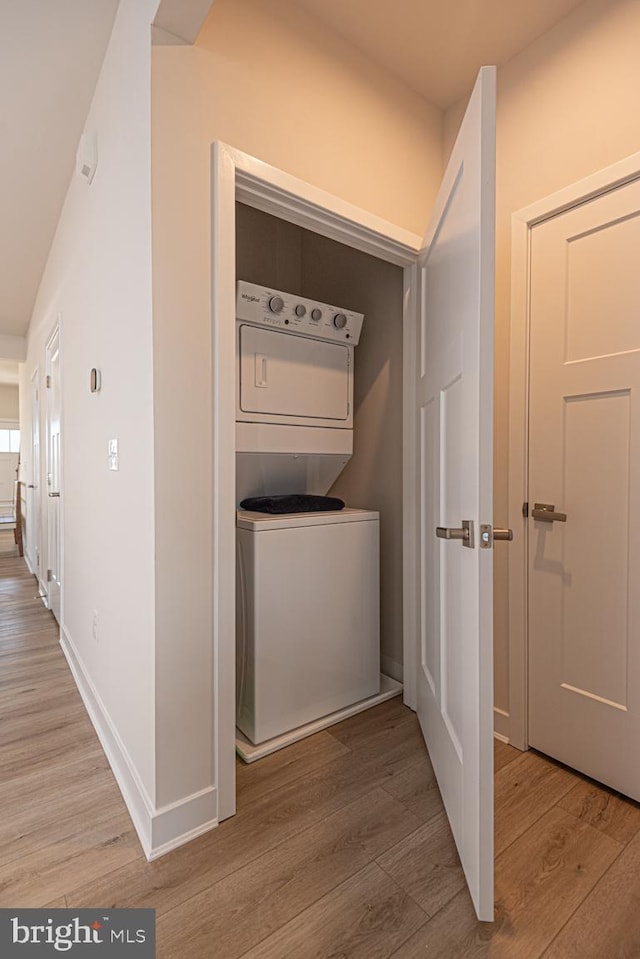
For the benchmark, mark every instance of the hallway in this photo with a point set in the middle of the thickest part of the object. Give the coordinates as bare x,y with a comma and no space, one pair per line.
340,846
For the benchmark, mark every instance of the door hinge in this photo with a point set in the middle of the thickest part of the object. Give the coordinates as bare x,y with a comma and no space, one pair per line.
525,510
49,572
48,382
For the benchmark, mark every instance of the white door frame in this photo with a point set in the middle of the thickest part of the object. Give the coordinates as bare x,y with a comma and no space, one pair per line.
522,223
238,176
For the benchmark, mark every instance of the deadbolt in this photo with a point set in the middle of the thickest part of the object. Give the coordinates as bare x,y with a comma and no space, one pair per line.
488,535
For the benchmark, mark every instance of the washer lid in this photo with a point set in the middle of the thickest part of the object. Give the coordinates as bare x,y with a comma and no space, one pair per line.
257,522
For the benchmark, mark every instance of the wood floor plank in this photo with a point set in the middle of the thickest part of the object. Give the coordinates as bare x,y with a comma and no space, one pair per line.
426,865
357,729
541,879
45,696
256,829
39,824
41,748
292,874
608,811
607,924
416,788
524,790
31,784
367,917
19,724
285,766
48,872
18,641
503,754
455,933
271,891
21,674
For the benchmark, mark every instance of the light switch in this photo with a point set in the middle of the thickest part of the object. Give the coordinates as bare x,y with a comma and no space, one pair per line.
113,455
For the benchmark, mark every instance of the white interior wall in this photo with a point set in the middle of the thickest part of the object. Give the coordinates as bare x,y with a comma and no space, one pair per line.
318,115
98,282
567,107
9,401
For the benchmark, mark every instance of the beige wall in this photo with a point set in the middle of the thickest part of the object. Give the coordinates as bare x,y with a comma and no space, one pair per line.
97,286
567,107
8,401
272,81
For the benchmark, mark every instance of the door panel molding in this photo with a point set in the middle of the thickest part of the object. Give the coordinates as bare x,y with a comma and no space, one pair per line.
522,223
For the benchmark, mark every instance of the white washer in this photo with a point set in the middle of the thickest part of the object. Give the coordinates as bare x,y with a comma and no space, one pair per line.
307,619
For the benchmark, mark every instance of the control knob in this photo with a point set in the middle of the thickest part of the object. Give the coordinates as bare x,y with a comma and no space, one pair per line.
316,314
339,321
276,303
300,310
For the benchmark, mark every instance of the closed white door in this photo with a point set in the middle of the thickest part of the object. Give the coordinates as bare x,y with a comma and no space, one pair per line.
33,485
54,475
584,554
454,417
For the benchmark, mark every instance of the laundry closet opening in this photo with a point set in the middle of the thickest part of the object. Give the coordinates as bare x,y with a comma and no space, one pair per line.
278,255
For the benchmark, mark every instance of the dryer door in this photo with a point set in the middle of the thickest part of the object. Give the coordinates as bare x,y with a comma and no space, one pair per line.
293,379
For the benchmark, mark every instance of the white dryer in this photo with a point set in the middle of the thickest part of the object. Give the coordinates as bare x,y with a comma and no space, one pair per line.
294,392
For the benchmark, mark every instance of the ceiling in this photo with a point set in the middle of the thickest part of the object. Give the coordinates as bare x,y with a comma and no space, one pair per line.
51,52
436,47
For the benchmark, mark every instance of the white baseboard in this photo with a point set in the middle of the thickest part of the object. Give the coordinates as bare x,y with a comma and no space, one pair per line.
180,822
501,724
391,668
159,829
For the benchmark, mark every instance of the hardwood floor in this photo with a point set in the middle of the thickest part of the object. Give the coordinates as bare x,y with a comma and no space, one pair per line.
340,847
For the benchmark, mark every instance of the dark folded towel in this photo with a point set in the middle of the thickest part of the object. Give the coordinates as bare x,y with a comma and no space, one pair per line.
292,503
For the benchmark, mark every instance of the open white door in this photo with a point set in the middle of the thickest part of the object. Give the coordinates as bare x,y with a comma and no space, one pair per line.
455,418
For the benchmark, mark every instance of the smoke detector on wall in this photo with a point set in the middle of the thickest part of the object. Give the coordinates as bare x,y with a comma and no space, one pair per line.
87,156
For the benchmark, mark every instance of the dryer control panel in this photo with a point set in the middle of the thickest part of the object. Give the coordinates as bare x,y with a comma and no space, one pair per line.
296,314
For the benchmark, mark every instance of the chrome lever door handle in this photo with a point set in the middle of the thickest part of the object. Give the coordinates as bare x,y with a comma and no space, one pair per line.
465,533
54,495
546,512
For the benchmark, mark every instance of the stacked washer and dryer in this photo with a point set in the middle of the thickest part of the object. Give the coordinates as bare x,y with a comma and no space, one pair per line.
308,637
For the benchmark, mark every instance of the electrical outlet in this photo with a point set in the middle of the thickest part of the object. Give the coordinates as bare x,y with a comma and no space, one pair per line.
114,462
94,626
